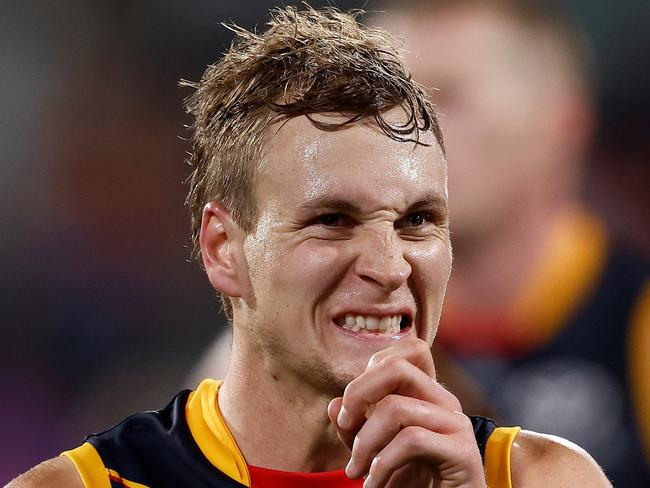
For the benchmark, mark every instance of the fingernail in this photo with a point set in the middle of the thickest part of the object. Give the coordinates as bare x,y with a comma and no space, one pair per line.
343,418
367,483
350,469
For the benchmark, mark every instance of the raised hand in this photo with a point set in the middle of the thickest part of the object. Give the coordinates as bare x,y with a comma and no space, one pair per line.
403,428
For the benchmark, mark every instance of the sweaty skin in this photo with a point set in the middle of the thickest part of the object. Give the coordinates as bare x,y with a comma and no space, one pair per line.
306,272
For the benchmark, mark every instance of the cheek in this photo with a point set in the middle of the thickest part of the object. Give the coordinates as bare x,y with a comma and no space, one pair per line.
432,267
275,270
314,262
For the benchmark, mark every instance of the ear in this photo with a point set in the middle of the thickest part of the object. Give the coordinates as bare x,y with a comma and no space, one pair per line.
221,242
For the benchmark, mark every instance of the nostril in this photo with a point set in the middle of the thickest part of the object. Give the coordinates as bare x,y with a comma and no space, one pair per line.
390,274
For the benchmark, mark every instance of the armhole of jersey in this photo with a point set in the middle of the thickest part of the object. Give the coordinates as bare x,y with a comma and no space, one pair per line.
89,466
497,457
639,365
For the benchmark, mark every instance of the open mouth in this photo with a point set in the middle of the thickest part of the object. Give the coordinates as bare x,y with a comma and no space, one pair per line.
373,324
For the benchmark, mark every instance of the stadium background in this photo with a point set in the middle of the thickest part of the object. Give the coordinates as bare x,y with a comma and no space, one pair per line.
102,314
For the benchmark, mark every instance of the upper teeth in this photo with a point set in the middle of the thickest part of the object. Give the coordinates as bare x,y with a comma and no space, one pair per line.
355,323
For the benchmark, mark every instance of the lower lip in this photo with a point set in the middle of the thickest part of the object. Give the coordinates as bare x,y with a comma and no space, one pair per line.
372,336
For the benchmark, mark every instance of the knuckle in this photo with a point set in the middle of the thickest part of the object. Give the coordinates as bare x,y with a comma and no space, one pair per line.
454,402
376,358
392,360
458,407
463,423
390,406
422,348
395,365
359,446
411,437
377,464
351,392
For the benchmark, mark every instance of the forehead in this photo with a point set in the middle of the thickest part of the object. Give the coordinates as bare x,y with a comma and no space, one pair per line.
304,162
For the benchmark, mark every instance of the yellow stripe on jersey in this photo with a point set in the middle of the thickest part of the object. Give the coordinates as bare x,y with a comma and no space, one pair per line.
115,476
89,465
564,276
639,365
497,457
211,433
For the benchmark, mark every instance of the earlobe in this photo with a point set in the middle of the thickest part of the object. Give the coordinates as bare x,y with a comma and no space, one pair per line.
219,240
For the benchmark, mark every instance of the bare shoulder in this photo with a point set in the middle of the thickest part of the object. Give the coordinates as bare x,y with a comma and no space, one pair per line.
55,473
540,460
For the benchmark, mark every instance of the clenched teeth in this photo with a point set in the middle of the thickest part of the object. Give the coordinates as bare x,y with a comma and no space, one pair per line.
371,323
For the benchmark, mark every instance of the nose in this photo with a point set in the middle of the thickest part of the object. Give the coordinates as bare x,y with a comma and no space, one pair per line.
381,260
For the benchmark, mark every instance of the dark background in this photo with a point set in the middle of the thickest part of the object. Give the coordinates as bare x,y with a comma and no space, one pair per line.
102,312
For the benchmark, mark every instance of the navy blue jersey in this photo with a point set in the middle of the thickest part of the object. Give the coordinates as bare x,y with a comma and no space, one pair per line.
187,444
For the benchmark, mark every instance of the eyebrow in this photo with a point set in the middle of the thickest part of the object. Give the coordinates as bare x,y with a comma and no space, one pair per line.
329,203
430,200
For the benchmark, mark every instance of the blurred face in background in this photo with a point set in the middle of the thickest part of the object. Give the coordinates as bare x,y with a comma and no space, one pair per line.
498,91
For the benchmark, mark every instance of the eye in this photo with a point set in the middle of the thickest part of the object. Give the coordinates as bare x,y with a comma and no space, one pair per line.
421,223
416,220
330,220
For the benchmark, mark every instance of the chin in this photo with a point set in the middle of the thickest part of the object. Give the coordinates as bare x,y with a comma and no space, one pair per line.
332,380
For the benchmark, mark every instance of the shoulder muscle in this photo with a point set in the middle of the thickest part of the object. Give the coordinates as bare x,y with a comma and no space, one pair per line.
540,460
54,473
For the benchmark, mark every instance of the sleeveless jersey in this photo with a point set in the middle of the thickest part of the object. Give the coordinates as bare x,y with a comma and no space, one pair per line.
187,444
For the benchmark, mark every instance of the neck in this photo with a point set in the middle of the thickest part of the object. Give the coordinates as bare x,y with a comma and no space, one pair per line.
264,411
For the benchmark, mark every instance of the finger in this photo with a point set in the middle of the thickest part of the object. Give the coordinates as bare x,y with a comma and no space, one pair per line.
392,414
416,351
411,475
447,458
346,436
392,375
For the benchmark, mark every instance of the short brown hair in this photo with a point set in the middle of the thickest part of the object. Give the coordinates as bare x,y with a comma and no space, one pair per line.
308,61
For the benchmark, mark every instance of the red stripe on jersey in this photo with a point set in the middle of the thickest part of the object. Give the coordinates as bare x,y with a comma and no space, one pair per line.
271,478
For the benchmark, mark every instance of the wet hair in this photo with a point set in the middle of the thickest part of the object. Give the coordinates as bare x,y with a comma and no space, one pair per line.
306,62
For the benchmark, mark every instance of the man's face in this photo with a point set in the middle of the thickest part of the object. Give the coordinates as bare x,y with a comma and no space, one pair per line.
491,93
352,233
